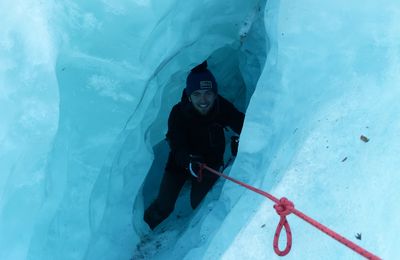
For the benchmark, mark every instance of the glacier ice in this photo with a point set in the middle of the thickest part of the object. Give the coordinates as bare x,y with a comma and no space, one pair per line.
85,91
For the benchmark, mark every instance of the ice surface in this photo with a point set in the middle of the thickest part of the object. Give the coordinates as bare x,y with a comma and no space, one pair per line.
85,92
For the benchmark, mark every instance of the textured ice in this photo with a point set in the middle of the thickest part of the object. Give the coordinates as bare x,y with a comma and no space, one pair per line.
85,92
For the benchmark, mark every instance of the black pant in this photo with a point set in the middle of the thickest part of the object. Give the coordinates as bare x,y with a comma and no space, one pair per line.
170,188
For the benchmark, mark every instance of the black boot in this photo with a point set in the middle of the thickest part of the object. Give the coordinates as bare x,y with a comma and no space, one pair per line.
153,216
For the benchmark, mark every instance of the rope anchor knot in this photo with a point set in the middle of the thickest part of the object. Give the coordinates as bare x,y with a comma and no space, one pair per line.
283,207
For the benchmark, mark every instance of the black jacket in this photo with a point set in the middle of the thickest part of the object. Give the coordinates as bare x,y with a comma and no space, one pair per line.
192,133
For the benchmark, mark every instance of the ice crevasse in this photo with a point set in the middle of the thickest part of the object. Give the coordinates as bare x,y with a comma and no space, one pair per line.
85,92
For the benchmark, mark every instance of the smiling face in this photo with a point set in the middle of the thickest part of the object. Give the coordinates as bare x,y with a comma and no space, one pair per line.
203,100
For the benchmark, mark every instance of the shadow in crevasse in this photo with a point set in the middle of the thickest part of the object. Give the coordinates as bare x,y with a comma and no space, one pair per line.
153,178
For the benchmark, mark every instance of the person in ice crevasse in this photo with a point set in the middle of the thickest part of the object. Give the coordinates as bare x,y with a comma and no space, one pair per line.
195,135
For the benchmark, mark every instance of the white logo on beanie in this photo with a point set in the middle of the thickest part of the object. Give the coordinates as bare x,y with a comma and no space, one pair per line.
205,84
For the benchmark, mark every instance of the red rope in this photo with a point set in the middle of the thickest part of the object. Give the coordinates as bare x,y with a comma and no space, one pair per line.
284,207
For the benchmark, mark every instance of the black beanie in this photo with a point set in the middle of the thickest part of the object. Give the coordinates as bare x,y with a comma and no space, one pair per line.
200,78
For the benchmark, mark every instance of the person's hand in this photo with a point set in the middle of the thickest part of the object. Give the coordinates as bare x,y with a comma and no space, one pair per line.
194,165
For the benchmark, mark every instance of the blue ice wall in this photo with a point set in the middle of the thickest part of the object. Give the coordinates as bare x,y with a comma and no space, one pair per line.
81,84
331,76
84,90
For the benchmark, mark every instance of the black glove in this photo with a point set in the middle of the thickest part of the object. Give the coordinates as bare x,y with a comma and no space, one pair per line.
194,165
234,144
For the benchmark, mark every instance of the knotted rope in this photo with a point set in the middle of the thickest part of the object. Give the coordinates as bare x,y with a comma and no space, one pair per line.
285,207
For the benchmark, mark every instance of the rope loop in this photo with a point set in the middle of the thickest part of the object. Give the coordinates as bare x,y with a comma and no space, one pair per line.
283,207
